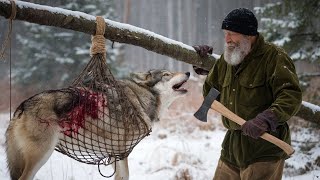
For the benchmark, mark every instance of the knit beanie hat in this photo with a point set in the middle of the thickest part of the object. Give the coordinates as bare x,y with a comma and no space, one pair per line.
241,20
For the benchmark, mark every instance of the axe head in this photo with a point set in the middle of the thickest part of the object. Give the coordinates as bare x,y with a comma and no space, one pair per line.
202,112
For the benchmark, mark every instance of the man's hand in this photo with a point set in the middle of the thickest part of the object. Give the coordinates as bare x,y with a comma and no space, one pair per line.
203,50
265,121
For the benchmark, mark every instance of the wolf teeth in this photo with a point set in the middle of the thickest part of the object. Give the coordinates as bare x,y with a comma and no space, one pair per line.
178,86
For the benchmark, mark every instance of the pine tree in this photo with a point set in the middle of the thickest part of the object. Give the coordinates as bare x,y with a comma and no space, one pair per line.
293,25
50,57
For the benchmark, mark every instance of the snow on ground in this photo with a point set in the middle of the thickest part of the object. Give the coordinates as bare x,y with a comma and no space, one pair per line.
172,151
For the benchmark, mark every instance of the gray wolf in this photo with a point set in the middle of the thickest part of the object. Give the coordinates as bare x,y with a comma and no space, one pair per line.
30,142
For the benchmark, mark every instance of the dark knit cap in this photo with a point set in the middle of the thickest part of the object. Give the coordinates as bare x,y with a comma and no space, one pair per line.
241,20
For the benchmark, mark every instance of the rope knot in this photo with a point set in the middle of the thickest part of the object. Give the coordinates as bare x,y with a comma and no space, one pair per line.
98,41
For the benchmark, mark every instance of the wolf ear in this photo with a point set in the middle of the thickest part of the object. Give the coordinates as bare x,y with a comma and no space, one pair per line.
140,77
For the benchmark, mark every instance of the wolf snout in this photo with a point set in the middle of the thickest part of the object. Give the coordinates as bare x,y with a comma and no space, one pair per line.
188,74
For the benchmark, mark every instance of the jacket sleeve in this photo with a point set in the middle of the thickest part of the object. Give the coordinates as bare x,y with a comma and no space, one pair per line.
208,83
211,80
285,87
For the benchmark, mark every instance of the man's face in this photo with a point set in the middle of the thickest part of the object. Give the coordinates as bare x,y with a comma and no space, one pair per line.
237,46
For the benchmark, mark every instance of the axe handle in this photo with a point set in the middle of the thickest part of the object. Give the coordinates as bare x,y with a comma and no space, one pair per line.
217,106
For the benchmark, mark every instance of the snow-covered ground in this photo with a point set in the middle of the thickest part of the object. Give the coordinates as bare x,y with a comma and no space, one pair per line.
169,152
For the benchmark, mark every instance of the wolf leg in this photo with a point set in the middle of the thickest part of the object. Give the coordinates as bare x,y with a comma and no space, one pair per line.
35,160
122,169
36,142
14,157
37,155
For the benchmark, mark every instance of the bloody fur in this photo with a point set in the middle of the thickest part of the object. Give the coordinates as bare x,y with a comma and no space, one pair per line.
87,106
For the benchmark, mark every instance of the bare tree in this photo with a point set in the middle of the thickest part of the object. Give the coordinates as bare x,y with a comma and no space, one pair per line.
127,11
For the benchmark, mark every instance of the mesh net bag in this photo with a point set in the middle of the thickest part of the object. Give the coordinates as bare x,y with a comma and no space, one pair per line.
102,125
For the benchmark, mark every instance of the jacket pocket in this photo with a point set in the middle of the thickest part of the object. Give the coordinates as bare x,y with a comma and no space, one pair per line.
253,92
254,97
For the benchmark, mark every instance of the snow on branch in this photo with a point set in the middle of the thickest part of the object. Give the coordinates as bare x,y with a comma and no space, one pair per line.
313,107
309,112
115,31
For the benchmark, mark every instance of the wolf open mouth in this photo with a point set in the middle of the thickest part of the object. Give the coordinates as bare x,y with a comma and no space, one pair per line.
177,87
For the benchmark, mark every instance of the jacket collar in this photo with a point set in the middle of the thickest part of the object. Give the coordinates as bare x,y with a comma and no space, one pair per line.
257,48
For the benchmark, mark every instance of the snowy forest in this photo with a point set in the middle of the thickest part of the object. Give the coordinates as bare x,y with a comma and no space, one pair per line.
42,57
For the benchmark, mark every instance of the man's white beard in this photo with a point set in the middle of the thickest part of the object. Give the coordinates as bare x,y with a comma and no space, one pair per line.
234,53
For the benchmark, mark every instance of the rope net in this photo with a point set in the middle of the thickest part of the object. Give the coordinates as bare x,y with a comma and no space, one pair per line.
100,126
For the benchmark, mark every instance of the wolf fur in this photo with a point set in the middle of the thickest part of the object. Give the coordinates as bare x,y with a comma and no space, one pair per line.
30,142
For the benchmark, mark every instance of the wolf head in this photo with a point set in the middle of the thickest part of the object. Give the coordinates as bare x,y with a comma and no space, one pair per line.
168,85
162,81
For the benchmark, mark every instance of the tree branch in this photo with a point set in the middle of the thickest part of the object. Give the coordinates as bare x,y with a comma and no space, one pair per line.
309,112
123,33
115,31
308,75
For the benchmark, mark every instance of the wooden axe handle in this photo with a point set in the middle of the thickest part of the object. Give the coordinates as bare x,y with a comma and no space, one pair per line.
217,106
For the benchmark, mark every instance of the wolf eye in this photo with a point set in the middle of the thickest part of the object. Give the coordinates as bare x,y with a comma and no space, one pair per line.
166,74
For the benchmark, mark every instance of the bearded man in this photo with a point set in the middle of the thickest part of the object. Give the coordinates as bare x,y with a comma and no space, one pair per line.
257,81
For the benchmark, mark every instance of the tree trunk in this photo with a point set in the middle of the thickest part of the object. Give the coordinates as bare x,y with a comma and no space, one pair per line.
123,33
127,7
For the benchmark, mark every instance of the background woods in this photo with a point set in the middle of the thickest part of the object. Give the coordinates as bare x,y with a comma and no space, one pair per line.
49,58
42,56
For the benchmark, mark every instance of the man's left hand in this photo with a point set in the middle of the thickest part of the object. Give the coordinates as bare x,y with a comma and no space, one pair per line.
265,121
203,50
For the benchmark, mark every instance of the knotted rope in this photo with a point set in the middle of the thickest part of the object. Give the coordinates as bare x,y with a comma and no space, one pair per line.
98,40
7,41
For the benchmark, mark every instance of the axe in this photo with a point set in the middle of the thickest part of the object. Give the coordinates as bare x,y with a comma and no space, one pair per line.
211,103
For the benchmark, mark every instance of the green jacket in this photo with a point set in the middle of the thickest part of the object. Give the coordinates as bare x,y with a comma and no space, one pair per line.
265,79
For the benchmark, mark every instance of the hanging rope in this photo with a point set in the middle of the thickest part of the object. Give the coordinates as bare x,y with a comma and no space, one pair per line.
5,44
7,40
102,126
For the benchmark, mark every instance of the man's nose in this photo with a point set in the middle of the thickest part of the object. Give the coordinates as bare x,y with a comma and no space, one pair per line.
227,38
